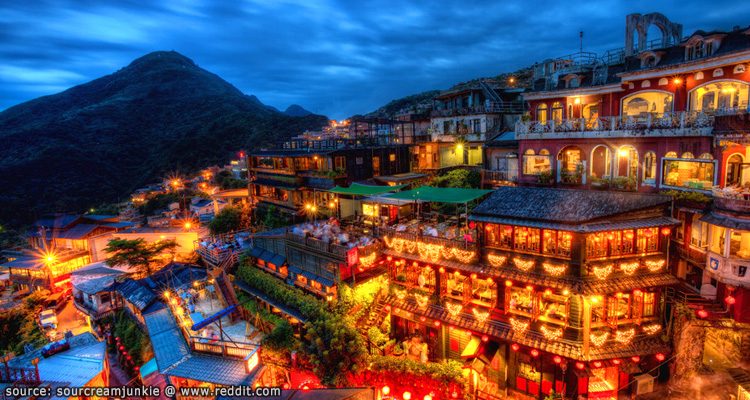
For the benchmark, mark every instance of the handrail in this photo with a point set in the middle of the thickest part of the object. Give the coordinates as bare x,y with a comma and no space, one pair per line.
676,123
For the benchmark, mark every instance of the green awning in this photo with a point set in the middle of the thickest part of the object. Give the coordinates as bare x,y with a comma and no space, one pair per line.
358,189
440,195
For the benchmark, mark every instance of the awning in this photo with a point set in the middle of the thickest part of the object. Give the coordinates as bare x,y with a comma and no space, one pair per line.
386,200
268,256
358,189
484,356
309,275
726,221
472,348
440,195
582,228
148,368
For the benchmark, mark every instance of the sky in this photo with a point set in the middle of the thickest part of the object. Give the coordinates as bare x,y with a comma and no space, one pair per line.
336,58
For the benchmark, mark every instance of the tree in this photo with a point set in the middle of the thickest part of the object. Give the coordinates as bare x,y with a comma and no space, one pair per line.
273,219
137,254
227,220
459,178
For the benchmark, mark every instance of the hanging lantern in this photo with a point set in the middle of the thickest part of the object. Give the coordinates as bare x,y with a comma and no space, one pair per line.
534,353
616,361
730,300
660,356
472,224
406,395
385,390
122,348
635,359
547,292
442,270
423,319
389,258
473,276
597,364
436,323
629,235
485,338
666,231
515,346
610,236
529,288
580,365
557,359
508,283
702,313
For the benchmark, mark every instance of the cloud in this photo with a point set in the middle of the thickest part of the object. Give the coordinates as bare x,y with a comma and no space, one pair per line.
333,57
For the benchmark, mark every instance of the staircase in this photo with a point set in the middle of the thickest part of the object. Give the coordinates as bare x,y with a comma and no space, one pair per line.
490,92
684,294
374,315
225,289
574,319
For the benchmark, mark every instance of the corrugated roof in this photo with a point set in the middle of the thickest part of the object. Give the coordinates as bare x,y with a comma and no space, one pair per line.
222,371
717,218
94,278
76,366
357,189
440,194
309,275
268,256
167,341
79,231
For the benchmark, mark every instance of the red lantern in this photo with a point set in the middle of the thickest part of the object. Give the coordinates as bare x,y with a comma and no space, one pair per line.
580,365
442,270
389,258
136,368
557,359
666,231
702,313
597,364
436,323
515,347
129,357
388,308
122,348
422,319
730,300
485,338
616,361
508,283
472,224
117,338
635,359
473,276
660,356
488,227
534,353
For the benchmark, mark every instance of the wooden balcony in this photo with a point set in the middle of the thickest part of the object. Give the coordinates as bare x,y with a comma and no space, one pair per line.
731,202
318,245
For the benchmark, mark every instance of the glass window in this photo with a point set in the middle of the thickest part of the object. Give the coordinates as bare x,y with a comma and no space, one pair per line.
484,292
557,112
717,237
734,170
596,245
649,168
648,240
499,235
556,243
680,234
520,300
720,95
671,154
601,162
553,307
527,239
455,285
536,164
641,104
541,113
739,244
649,304
693,174
688,155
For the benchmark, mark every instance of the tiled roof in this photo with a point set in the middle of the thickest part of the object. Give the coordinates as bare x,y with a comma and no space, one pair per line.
56,221
166,339
570,206
79,231
221,371
627,283
94,278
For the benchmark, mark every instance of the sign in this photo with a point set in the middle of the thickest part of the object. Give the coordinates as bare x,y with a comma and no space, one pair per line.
713,263
352,256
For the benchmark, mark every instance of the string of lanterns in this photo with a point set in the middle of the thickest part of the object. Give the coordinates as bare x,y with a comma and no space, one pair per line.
368,260
430,251
628,268
554,269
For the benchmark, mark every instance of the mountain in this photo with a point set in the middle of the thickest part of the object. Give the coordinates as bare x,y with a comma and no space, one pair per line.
296,111
99,141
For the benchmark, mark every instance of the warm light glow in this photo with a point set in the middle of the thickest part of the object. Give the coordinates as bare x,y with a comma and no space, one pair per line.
557,359
519,326
623,152
385,390
534,353
188,225
577,100
481,316
550,333
677,81
496,260
459,147
660,356
625,337
515,346
508,283
406,396
600,339
580,365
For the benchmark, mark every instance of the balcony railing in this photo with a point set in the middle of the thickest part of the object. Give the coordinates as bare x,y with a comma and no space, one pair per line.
507,107
729,270
727,200
455,243
224,348
318,245
490,176
669,124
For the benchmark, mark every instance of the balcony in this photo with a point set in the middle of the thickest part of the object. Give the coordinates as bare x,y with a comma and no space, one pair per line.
729,270
490,177
730,200
667,125
312,243
505,107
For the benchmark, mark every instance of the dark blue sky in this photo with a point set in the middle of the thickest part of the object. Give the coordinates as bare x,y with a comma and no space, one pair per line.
333,57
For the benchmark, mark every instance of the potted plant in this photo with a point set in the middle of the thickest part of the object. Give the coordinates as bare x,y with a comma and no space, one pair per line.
599,183
545,177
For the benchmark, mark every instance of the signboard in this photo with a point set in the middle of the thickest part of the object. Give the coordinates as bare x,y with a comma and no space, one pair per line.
352,256
713,263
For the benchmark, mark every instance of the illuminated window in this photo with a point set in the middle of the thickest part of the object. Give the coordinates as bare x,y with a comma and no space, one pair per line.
557,112
483,292
536,164
648,240
541,113
718,237
556,243
648,102
499,236
520,300
621,242
720,95
649,304
554,308
693,174
455,286
527,239
649,168
739,244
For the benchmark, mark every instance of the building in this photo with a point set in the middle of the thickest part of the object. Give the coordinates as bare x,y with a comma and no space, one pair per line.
462,119
93,290
564,291
500,165
291,178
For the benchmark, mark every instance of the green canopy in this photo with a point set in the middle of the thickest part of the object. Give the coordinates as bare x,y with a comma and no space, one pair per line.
358,189
440,195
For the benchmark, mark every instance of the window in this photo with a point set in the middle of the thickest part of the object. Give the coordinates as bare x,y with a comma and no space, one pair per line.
648,240
601,162
557,112
649,304
699,234
688,155
375,166
670,154
536,164
739,244
476,126
484,292
740,69
641,104
359,161
739,270
649,168
680,234
717,237
541,113
455,286
556,243
499,236
553,308
392,157
734,170
693,174
340,162
699,49
721,95
520,300
527,239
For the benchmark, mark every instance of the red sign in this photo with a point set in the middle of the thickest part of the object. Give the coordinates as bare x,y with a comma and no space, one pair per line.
352,256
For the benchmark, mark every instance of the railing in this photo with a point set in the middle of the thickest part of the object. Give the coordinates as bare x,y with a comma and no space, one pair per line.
94,314
729,270
215,256
514,107
456,243
732,202
692,255
318,245
489,175
22,375
224,348
668,124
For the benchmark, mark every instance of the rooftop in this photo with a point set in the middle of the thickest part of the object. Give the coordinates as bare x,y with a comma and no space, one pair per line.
564,205
95,278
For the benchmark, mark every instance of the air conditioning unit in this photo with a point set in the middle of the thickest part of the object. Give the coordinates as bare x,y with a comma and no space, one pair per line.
644,383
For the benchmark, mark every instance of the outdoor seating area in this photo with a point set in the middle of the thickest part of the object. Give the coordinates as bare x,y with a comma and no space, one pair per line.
216,248
331,231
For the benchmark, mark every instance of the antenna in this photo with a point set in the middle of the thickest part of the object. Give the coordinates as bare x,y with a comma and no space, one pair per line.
580,39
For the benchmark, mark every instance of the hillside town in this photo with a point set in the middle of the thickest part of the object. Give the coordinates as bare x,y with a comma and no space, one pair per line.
581,233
